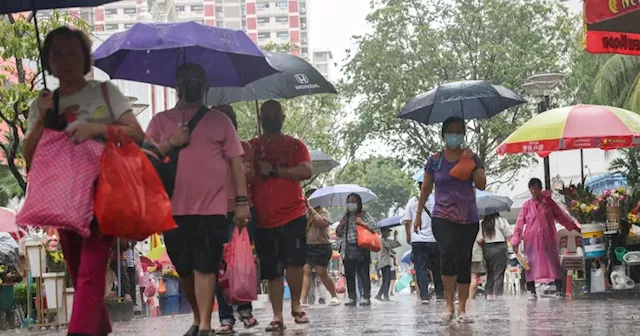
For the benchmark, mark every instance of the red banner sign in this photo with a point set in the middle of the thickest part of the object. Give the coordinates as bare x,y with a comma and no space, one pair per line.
601,10
602,42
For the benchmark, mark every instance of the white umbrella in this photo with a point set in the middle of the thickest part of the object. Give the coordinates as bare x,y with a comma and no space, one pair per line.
322,162
336,196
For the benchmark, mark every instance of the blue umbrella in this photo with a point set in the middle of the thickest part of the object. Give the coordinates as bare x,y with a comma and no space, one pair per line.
390,222
151,53
489,203
406,257
472,99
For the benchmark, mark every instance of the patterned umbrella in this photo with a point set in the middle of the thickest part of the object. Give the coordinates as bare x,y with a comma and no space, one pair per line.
575,127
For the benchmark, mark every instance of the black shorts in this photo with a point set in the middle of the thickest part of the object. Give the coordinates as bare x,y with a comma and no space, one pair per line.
281,247
196,245
319,254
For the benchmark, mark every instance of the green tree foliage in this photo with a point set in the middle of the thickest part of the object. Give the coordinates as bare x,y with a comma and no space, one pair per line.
416,44
19,48
628,165
383,176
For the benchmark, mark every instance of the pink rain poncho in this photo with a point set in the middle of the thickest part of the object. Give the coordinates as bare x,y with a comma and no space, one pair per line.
540,237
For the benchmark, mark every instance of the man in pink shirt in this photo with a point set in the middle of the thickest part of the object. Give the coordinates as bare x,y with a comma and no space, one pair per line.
199,199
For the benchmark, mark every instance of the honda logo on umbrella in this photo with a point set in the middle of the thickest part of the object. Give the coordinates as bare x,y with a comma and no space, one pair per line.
302,78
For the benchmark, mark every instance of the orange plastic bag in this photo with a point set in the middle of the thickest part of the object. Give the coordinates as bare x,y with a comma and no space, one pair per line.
162,287
463,169
367,239
130,199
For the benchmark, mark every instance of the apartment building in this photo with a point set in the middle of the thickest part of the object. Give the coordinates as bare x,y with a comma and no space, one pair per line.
265,21
323,61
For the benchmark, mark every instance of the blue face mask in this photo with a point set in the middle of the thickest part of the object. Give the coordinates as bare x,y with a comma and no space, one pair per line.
453,140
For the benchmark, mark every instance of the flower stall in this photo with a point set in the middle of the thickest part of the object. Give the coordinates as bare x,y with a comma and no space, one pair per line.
610,225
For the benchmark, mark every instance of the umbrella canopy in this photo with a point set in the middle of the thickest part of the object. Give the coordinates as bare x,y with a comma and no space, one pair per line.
406,257
159,254
16,6
322,162
403,282
390,222
473,99
489,203
336,196
297,78
151,53
8,221
575,127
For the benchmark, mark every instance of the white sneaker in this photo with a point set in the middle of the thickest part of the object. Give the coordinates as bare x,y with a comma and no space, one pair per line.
533,297
424,302
334,301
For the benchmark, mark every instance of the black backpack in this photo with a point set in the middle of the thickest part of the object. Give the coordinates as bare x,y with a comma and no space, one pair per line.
167,165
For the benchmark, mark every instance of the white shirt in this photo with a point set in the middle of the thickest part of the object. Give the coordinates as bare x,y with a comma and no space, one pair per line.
502,232
425,235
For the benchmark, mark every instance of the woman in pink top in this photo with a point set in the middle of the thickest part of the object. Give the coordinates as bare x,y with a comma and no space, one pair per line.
539,215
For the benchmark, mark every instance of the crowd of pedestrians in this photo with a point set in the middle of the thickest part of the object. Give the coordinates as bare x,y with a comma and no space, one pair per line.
222,182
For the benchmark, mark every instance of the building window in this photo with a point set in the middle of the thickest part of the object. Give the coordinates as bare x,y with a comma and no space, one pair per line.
283,35
262,5
110,11
244,24
220,23
130,10
128,25
282,4
243,10
264,19
305,50
322,68
282,19
197,8
111,26
179,9
264,35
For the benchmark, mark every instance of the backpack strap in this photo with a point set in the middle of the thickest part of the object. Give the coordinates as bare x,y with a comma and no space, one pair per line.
196,118
438,157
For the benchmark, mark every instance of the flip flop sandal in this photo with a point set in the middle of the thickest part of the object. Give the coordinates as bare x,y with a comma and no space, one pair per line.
464,318
275,326
446,317
225,329
246,320
300,317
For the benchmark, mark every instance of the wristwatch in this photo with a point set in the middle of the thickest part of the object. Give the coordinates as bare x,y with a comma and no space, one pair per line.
273,172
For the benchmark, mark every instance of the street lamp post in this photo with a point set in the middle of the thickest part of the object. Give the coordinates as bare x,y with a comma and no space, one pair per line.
541,86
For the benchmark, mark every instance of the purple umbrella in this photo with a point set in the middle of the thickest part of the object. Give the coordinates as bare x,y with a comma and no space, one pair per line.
151,53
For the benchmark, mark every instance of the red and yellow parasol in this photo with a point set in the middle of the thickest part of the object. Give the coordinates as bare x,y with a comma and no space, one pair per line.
575,127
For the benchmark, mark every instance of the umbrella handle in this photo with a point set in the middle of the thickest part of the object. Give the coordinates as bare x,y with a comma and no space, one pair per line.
35,23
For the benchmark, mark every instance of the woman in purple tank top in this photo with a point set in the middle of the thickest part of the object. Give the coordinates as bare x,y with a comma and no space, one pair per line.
455,214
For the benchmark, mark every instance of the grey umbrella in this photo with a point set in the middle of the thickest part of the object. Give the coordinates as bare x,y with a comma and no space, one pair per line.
489,203
297,78
472,99
322,162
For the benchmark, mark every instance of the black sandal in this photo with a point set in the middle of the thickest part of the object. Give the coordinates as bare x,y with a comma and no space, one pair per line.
225,329
193,331
275,326
246,320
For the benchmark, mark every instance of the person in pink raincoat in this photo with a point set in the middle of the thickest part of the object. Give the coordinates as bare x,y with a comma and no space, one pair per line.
539,215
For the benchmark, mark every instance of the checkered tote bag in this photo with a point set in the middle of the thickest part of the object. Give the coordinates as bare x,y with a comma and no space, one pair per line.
61,184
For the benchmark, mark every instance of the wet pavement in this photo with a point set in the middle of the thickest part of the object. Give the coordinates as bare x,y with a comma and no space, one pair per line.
508,316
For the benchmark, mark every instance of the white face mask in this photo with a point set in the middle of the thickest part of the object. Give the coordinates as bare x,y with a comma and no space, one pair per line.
352,207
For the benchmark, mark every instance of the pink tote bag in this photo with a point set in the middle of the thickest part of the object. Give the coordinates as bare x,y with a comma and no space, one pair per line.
61,184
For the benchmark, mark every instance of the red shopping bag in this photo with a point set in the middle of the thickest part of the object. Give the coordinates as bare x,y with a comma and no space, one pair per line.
367,239
238,277
463,169
130,200
340,285
61,183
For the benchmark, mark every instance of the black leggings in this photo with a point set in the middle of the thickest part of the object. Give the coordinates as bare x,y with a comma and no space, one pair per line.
455,241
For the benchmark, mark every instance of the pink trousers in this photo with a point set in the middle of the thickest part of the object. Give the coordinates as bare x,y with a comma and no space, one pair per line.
87,260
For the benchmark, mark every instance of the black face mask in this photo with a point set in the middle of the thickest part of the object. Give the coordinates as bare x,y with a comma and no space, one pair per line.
272,125
191,91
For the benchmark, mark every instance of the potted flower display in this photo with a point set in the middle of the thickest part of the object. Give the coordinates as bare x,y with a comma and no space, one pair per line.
583,205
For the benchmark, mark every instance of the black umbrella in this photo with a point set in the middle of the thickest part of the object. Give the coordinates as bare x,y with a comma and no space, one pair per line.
17,6
297,78
472,99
